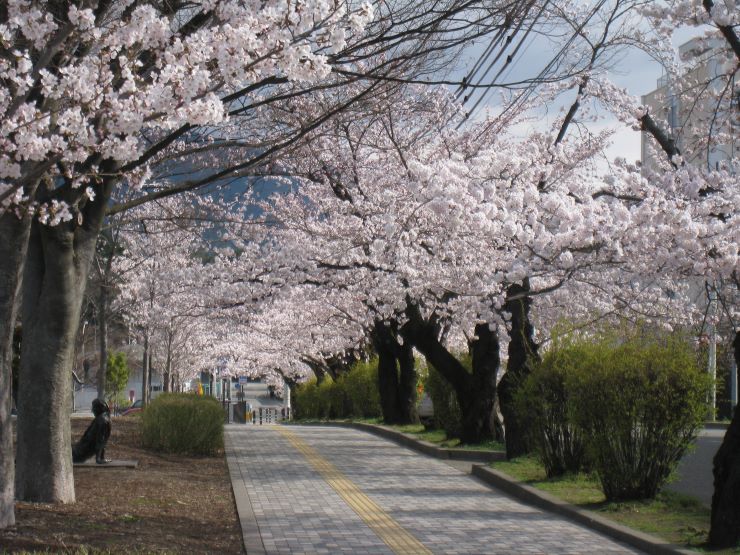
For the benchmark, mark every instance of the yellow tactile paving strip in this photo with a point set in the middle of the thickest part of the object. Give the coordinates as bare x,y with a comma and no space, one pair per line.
387,529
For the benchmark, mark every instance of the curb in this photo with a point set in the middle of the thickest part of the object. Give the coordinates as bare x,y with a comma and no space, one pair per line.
251,536
545,501
470,455
716,425
523,492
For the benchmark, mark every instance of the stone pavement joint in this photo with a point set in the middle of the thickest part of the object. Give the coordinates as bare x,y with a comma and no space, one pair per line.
398,539
252,539
298,504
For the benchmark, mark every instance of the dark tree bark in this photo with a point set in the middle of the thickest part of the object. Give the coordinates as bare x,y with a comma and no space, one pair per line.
57,266
486,357
341,363
103,337
407,382
149,377
388,387
725,523
167,365
52,297
145,371
522,353
476,390
106,252
317,368
13,246
396,376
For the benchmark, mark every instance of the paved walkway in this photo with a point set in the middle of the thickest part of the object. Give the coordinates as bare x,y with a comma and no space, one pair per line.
694,472
311,489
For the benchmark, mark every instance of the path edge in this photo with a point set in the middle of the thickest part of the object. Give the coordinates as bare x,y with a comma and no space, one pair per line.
411,442
251,536
543,500
528,494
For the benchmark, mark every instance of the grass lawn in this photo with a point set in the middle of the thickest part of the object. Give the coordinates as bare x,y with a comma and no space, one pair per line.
438,437
680,519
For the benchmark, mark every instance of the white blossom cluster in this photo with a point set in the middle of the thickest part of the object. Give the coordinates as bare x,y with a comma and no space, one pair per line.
108,80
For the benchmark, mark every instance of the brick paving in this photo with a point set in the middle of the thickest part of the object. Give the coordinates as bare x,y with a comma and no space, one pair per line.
297,511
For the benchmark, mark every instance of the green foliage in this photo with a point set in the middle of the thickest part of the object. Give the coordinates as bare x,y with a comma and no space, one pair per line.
640,399
116,376
353,395
547,405
306,400
184,423
333,397
447,415
677,518
361,387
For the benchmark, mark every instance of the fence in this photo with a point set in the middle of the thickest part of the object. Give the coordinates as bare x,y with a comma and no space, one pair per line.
236,412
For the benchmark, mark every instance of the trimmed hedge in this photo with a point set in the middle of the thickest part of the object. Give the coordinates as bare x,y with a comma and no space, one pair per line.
184,423
353,395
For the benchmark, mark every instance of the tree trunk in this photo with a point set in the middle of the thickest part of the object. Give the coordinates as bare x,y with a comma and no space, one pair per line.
167,366
522,352
388,387
103,331
475,391
397,376
13,247
478,406
407,383
725,522
55,275
145,372
54,283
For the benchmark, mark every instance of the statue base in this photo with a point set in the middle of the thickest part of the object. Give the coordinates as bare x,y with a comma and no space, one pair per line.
112,464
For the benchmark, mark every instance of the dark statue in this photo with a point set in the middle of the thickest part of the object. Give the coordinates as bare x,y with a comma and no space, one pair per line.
96,436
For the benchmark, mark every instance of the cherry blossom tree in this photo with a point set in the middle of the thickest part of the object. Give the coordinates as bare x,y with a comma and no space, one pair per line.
427,232
686,200
93,94
79,90
706,190
550,222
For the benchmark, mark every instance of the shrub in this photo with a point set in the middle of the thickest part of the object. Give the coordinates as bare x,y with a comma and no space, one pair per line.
184,423
447,414
545,401
640,398
361,387
117,373
306,400
354,394
332,398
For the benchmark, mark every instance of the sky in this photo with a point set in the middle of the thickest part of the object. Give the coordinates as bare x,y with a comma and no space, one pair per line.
638,73
635,71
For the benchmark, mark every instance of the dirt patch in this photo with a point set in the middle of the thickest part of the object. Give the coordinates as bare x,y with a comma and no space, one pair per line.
168,504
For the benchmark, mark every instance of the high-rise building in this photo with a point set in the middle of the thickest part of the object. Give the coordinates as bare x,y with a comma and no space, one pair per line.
689,112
